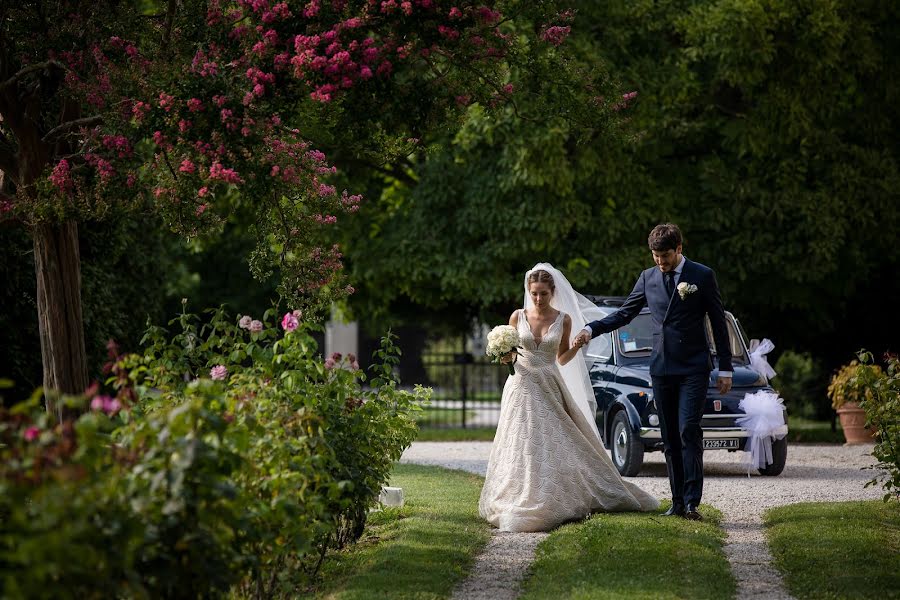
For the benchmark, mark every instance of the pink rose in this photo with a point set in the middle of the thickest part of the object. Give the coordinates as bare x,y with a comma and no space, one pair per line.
245,322
31,434
112,406
329,363
106,404
256,326
289,322
218,372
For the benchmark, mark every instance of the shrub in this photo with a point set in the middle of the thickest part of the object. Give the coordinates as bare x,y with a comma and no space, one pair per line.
238,458
802,383
847,385
881,401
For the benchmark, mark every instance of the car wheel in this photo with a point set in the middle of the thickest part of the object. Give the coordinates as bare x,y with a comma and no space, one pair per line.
627,448
779,458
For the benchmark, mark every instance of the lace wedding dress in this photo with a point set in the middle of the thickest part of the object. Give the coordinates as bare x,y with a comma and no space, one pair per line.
547,464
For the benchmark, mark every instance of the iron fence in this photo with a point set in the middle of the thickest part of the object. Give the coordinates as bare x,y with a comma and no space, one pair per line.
467,390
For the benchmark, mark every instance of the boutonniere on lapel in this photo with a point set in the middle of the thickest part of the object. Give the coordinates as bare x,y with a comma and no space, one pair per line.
686,289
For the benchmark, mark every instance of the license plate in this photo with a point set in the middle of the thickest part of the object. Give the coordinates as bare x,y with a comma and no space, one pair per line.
727,443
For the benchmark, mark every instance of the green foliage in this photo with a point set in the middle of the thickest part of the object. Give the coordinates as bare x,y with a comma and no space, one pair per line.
802,382
830,550
779,189
881,401
127,265
203,485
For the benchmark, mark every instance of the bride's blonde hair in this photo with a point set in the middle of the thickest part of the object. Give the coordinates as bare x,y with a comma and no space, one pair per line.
541,276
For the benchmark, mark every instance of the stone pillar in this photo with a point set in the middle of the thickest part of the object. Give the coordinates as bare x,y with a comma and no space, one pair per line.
341,336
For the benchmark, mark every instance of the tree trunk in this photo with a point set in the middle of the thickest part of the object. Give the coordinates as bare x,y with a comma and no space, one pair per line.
57,264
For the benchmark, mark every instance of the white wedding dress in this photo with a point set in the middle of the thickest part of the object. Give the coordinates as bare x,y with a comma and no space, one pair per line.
547,464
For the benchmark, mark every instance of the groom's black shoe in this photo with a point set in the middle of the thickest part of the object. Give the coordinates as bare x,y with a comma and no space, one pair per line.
676,510
692,514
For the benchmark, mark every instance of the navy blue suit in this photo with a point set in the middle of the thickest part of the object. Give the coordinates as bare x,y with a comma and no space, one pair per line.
680,364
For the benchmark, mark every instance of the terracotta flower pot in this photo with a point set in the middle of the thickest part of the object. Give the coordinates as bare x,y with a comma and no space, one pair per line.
853,421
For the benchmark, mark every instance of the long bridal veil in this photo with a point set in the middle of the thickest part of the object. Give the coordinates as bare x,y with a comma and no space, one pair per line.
582,311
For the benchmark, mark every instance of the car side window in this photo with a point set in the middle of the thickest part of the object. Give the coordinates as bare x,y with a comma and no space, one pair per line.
600,348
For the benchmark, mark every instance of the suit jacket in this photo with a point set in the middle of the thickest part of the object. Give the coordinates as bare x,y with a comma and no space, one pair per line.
680,346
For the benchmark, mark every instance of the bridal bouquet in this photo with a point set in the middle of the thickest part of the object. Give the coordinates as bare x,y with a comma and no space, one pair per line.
502,340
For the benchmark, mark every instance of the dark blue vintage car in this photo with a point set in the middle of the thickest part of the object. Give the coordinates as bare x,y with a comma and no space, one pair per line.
626,413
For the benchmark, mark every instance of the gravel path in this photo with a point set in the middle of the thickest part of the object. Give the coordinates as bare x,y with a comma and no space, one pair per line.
813,473
500,568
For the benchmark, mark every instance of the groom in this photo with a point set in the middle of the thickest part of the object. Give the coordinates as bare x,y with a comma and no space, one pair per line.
679,293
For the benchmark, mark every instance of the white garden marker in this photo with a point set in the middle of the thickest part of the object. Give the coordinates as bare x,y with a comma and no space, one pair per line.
391,496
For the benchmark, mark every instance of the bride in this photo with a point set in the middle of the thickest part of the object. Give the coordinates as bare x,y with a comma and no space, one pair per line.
548,464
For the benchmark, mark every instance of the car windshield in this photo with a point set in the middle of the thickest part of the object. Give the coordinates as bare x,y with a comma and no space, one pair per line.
635,340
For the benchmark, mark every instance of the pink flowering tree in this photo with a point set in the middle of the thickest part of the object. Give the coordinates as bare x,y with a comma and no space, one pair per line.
199,110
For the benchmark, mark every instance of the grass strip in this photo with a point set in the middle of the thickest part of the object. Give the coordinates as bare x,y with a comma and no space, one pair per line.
837,549
456,434
633,555
421,550
807,431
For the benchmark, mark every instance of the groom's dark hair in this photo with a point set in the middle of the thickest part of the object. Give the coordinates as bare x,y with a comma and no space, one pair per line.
665,236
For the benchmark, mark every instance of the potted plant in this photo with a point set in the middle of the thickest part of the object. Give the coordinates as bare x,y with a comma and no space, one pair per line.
846,390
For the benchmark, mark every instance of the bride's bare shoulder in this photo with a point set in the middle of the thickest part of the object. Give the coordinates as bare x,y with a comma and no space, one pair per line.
514,318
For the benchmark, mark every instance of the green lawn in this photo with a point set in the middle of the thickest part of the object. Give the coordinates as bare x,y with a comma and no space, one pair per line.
418,551
807,431
455,434
633,555
837,550
441,416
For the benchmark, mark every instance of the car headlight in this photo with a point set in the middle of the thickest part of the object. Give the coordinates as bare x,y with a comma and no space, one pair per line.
653,420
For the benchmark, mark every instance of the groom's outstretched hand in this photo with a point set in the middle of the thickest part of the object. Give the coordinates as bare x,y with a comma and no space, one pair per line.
582,339
724,384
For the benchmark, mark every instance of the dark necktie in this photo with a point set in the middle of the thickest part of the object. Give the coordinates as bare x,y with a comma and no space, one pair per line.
669,277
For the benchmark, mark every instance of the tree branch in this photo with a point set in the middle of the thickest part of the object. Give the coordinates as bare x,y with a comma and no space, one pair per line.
29,69
59,130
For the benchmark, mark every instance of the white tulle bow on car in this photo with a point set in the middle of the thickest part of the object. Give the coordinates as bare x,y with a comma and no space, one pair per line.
764,420
758,362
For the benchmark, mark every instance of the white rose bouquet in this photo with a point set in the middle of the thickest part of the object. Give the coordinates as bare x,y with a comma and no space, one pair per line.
502,340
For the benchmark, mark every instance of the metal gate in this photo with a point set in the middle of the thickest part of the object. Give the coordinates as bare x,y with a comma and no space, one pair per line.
467,390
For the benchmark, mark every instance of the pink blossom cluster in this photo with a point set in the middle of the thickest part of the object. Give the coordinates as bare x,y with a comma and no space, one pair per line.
626,99
350,202
556,34
219,173
60,177
117,144
105,404
31,433
218,373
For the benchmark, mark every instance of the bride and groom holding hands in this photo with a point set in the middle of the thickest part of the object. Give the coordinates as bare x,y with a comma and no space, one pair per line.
548,464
